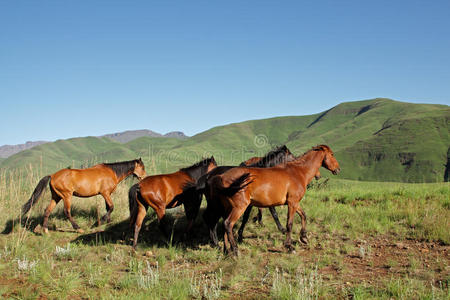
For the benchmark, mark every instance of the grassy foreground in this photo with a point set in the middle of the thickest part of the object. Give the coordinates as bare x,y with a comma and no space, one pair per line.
367,241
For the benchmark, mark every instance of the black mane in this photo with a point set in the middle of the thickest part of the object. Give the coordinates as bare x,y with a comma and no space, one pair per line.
123,167
273,158
198,169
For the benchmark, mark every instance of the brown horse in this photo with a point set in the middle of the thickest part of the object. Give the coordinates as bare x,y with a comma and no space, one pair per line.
215,210
167,191
258,218
280,185
101,179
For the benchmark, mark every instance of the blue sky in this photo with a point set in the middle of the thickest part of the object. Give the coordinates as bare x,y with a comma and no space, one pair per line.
78,68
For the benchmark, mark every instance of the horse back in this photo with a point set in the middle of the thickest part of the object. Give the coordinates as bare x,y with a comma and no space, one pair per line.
84,182
269,186
159,190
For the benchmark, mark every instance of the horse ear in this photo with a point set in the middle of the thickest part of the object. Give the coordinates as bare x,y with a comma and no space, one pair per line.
318,148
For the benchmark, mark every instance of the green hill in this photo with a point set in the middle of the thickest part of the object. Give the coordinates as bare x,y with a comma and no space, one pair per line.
376,140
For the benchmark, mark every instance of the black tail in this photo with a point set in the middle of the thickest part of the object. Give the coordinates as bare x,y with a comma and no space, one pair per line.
132,202
36,194
237,185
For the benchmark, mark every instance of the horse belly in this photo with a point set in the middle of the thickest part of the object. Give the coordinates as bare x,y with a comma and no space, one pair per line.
86,187
267,198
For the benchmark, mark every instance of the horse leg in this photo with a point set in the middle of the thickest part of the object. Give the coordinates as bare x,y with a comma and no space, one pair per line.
191,209
212,221
292,208
273,211
226,243
244,222
67,203
213,235
303,236
258,217
109,208
235,214
48,210
161,214
141,212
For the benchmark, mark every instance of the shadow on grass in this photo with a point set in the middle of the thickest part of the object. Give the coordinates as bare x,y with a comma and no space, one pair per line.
150,234
33,221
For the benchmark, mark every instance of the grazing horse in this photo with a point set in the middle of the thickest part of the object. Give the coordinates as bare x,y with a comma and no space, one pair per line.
265,187
101,179
215,210
167,191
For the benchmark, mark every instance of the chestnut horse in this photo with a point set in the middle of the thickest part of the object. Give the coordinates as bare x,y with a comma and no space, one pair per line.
284,184
167,191
101,179
215,210
253,162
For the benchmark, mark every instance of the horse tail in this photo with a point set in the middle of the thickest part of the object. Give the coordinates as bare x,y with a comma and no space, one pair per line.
36,194
237,185
132,202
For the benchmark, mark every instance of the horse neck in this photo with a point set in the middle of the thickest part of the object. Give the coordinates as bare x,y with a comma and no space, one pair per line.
123,176
309,164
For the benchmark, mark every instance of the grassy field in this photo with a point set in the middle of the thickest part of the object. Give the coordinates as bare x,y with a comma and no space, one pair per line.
367,241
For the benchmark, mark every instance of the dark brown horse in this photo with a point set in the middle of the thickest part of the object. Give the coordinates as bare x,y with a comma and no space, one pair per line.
101,179
215,210
167,191
284,184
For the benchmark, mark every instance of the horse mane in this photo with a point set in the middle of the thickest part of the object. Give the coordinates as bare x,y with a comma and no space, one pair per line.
302,158
123,167
272,158
198,169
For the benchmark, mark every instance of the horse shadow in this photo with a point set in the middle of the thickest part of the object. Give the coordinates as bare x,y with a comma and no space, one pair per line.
150,234
32,223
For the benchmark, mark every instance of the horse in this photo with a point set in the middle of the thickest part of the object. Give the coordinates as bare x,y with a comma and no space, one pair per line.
167,191
253,162
101,179
215,210
284,184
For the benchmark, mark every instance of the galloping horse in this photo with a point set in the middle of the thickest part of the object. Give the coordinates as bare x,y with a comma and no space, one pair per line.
167,191
254,162
215,210
280,185
100,179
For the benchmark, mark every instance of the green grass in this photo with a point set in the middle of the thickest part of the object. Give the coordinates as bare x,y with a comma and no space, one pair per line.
368,240
374,140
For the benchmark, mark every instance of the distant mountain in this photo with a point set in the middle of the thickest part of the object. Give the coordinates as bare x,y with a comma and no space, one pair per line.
121,137
129,135
373,140
8,150
176,134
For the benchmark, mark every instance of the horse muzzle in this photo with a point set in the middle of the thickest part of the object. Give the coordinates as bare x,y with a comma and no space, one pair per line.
336,171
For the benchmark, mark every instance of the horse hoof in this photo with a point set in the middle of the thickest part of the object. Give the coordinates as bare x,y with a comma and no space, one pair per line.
46,230
304,240
79,230
289,247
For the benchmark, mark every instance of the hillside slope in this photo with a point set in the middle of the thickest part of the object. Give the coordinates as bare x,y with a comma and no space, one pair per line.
377,140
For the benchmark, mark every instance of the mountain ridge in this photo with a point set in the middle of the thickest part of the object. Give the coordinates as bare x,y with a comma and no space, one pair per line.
122,137
374,140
